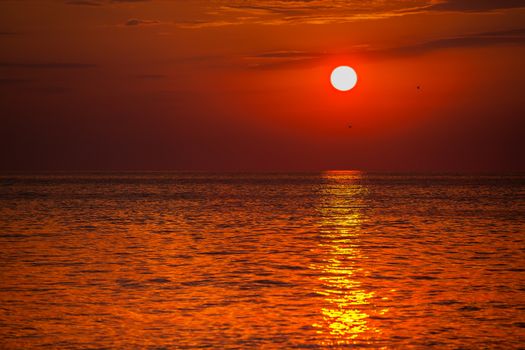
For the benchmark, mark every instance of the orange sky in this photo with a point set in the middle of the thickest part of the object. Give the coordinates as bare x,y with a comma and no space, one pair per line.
244,85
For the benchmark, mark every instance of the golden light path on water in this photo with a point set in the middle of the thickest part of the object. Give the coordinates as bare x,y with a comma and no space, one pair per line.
345,316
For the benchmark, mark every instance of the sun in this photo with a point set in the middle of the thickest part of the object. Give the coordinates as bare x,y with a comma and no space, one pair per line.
343,78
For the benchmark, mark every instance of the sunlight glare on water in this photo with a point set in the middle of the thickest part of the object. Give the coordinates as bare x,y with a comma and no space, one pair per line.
343,318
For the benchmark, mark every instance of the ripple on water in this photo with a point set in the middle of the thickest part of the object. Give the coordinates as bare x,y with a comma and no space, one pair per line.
274,261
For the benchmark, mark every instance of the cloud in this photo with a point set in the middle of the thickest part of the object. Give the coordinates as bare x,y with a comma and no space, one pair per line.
137,22
282,59
506,37
197,24
100,2
507,33
151,76
48,65
84,2
476,5
286,54
220,13
298,59
277,12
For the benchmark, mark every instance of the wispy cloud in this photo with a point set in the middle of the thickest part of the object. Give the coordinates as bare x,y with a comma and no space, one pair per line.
282,59
506,37
276,12
84,2
150,76
298,59
475,5
220,13
47,65
101,2
138,22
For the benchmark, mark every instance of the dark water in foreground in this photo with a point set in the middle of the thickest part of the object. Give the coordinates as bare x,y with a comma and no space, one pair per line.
330,260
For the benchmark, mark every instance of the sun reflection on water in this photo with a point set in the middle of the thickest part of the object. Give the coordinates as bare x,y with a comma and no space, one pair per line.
344,316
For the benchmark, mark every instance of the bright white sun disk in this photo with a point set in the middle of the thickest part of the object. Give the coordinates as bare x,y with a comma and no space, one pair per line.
343,78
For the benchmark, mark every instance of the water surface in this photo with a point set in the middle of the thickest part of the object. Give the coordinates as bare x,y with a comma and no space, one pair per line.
274,261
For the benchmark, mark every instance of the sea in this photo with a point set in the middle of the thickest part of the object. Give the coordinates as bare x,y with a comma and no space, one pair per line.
326,260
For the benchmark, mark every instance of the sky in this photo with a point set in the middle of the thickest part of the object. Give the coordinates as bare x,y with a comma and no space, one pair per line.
244,85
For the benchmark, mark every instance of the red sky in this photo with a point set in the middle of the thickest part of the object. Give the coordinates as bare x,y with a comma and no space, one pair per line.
244,85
